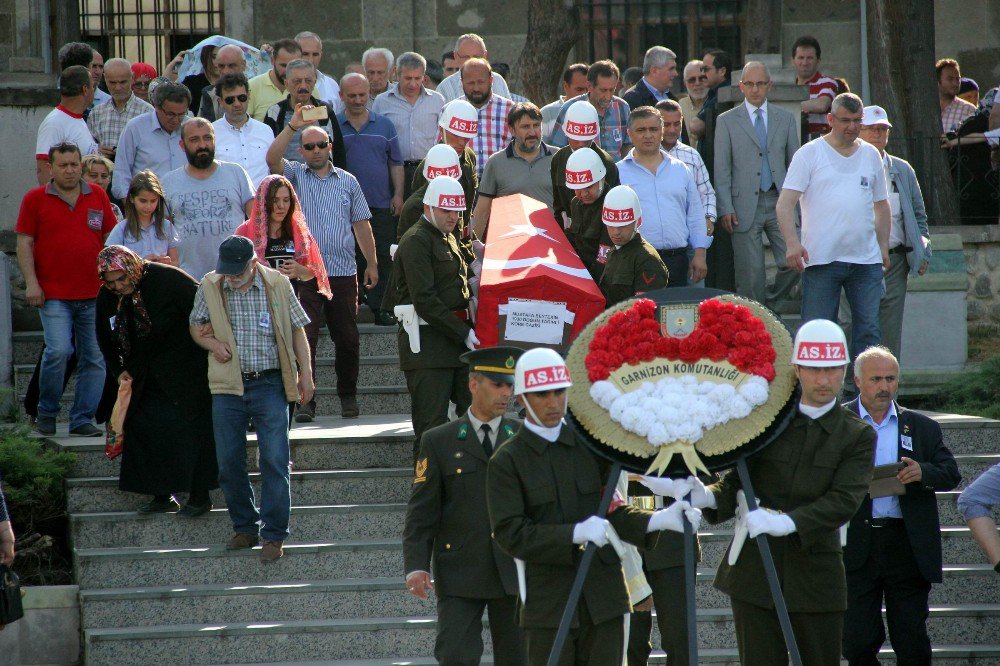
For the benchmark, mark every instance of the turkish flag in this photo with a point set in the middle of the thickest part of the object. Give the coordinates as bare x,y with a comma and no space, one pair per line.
529,257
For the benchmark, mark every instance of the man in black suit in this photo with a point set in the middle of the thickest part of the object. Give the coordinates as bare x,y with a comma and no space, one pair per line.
894,542
659,69
447,521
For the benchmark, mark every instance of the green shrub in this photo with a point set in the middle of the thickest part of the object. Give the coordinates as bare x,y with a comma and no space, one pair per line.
975,394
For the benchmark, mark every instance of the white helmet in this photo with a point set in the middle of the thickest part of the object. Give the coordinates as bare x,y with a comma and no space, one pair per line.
584,168
621,207
581,122
460,118
441,160
445,192
820,343
540,369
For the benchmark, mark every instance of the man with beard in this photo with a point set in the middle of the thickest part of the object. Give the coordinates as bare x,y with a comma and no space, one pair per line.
208,198
522,168
300,81
492,133
269,88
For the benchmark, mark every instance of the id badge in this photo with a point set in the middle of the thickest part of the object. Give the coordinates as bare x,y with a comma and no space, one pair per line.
290,247
602,253
264,321
111,320
906,442
95,219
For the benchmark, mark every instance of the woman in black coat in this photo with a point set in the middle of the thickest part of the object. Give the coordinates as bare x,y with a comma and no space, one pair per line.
142,330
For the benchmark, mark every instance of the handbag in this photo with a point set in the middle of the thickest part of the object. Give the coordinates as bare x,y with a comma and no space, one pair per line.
11,608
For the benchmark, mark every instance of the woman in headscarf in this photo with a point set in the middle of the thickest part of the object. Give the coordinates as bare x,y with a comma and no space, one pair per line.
142,74
282,241
142,329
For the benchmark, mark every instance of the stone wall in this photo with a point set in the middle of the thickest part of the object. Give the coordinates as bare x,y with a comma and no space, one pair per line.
982,258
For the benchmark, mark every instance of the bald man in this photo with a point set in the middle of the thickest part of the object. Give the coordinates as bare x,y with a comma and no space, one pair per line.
107,121
228,60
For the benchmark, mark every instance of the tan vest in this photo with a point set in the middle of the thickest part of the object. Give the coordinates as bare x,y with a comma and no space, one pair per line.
226,378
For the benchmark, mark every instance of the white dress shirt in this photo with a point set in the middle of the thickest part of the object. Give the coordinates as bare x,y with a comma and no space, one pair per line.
752,110
246,146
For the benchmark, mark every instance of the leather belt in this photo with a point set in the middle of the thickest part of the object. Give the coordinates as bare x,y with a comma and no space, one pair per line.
673,252
247,376
900,249
886,522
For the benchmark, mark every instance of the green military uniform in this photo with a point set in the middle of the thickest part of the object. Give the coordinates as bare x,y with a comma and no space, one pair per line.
413,207
633,268
537,492
429,271
588,234
817,471
562,195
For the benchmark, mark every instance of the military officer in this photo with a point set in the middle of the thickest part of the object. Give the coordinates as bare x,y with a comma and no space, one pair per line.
582,128
634,266
544,489
447,521
429,292
586,177
809,482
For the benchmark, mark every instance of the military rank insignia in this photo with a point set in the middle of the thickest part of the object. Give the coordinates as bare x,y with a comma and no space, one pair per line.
463,431
420,471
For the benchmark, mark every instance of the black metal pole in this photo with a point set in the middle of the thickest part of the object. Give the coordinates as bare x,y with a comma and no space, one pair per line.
769,569
582,569
690,583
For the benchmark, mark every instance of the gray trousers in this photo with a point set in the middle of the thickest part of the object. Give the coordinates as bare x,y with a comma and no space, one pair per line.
890,309
748,254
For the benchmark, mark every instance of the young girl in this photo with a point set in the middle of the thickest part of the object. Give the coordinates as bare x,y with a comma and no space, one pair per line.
146,229
98,169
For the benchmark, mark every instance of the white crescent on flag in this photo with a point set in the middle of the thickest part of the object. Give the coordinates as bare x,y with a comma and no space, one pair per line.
528,230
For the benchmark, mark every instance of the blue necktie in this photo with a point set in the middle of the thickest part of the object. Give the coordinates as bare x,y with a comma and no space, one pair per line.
765,165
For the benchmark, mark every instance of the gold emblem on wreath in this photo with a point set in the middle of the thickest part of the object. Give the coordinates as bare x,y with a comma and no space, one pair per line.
678,321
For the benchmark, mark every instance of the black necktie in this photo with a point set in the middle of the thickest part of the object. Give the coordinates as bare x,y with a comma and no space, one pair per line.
487,444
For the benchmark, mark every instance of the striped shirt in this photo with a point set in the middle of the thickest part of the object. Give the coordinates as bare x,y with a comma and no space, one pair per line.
451,87
696,166
614,125
494,132
250,318
820,85
955,113
416,124
106,123
331,205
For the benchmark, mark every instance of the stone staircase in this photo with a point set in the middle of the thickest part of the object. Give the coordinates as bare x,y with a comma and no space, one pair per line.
162,590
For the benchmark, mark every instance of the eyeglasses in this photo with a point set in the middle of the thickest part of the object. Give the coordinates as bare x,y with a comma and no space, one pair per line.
233,98
755,84
312,146
173,116
140,84
695,79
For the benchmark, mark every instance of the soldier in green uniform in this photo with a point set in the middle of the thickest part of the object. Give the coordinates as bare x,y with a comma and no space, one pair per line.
447,521
544,488
429,294
441,160
809,482
585,175
634,266
582,128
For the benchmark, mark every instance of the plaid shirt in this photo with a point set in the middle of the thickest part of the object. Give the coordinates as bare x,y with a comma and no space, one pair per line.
494,133
955,113
614,125
256,344
107,124
696,166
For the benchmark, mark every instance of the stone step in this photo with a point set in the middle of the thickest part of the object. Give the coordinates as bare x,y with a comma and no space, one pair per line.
307,523
375,341
972,465
385,636
383,440
968,434
352,486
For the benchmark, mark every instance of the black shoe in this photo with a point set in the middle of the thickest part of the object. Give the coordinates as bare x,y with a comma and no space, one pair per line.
86,430
349,406
45,426
383,318
305,414
160,505
194,510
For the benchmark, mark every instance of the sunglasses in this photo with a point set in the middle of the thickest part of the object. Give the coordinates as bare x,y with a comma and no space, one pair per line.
312,146
233,98
140,84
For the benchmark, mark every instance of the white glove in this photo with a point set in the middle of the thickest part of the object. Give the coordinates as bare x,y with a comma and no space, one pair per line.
479,249
671,518
762,521
471,340
667,487
594,530
701,497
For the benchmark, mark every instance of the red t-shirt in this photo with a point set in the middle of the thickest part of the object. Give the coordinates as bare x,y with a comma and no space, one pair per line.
820,85
67,240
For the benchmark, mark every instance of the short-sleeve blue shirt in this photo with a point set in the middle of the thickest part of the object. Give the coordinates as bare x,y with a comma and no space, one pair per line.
370,153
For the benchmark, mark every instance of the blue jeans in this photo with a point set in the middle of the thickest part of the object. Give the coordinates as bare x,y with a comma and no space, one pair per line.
981,496
66,324
264,400
864,286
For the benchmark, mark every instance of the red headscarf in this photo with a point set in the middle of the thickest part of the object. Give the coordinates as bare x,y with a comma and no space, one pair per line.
143,69
306,250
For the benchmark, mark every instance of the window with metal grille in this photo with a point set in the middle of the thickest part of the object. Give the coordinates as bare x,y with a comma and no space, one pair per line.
622,30
151,31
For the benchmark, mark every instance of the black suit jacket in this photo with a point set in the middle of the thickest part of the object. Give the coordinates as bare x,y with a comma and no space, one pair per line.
919,504
639,95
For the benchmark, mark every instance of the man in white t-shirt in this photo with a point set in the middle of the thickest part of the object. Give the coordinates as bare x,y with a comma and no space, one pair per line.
65,123
840,183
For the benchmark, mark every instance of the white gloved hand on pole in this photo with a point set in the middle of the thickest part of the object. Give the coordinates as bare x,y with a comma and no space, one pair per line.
471,340
667,487
763,521
672,518
593,529
701,497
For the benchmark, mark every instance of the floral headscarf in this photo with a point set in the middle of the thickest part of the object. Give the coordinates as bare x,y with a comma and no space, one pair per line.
120,258
306,250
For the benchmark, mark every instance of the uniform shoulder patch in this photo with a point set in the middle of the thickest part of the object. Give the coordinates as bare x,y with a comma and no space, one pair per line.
420,471
463,431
